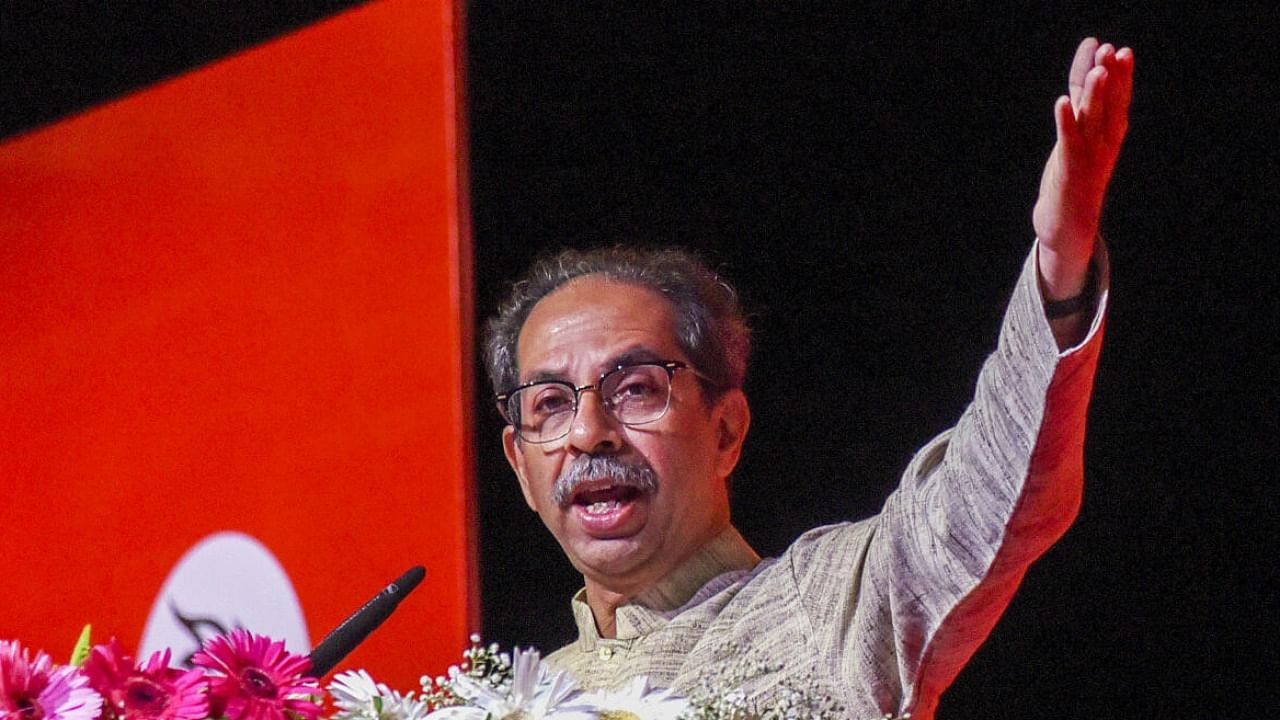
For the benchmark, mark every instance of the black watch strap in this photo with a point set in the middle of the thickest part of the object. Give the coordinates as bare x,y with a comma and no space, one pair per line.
1055,309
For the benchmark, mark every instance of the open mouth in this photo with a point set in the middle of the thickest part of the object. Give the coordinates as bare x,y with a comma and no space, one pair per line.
605,511
604,500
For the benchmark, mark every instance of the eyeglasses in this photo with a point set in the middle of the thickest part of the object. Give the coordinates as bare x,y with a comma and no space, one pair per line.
635,394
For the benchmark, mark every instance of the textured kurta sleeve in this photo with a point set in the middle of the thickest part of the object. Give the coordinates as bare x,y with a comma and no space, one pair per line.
975,507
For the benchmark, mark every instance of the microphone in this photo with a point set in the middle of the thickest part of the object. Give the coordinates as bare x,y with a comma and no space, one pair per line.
352,631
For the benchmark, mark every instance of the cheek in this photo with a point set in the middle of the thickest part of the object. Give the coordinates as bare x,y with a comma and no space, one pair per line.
541,472
679,459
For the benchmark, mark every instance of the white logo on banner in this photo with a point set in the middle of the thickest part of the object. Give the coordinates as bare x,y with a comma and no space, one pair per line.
227,580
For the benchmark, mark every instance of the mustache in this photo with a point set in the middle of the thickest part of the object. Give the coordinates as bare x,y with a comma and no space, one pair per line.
593,468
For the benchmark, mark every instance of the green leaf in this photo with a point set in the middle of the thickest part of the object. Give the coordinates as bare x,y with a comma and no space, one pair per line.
81,651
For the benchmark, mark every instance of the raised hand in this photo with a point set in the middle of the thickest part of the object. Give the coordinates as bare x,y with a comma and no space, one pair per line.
1091,124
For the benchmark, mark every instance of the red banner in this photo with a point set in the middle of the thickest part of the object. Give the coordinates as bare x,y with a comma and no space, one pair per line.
235,354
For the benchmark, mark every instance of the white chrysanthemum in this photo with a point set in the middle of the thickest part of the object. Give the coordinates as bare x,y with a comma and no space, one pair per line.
636,701
358,697
534,694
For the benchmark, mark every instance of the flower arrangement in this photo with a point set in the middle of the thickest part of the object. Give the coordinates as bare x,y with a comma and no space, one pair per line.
243,676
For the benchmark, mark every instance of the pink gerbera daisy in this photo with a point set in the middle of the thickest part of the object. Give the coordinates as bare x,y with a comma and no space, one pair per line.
153,691
37,690
256,679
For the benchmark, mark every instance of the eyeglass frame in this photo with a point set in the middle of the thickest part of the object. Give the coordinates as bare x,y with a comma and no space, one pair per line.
670,366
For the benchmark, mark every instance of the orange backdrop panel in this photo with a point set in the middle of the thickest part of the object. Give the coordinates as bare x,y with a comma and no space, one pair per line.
239,300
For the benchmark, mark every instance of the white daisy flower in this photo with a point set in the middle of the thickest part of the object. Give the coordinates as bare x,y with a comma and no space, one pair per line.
534,694
358,697
636,701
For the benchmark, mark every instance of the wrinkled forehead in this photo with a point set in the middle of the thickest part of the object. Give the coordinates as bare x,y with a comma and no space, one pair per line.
593,323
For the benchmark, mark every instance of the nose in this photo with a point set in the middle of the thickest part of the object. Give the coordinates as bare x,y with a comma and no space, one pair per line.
594,430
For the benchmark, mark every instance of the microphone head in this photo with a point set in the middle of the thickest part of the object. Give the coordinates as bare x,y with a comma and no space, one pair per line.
406,583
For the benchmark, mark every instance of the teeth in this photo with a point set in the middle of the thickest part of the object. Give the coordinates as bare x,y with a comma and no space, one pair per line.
602,507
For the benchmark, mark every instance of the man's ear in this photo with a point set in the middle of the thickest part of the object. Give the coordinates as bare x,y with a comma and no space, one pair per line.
515,456
733,419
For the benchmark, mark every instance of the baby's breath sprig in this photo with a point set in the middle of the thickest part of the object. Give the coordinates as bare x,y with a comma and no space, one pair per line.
722,697
487,664
481,663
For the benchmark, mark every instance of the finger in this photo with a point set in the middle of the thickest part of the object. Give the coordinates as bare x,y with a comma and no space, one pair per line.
1080,66
1093,109
1119,94
1064,117
1104,54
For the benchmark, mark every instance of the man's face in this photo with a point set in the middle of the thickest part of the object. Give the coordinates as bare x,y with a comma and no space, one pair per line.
621,539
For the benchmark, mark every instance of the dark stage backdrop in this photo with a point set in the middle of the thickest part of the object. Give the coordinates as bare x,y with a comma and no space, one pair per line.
866,174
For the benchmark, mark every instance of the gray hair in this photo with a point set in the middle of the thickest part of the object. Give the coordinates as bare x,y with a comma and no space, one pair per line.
710,327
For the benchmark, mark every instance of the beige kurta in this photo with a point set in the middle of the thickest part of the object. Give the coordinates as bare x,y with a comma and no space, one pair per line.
881,614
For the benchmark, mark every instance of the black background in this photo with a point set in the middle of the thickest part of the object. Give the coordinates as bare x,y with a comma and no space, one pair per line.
866,173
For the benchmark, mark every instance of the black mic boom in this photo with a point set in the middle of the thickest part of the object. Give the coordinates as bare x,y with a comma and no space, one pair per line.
352,631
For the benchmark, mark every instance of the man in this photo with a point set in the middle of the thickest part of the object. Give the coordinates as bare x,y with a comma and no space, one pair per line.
620,373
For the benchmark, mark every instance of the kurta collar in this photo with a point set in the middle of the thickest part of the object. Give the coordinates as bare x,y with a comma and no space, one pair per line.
726,553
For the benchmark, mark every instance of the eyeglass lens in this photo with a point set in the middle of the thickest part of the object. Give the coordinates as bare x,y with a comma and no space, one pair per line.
633,395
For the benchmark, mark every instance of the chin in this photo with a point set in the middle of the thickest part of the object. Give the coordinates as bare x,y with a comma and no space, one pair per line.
611,558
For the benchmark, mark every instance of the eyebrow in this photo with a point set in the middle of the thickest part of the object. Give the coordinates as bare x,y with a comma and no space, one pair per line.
630,356
640,354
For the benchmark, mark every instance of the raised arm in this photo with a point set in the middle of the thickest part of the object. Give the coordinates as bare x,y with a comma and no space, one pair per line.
984,500
1091,123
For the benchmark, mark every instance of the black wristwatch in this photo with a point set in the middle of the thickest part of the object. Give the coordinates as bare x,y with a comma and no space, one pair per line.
1055,309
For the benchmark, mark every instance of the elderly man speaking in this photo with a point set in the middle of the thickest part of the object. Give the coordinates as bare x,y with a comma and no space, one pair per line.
620,375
